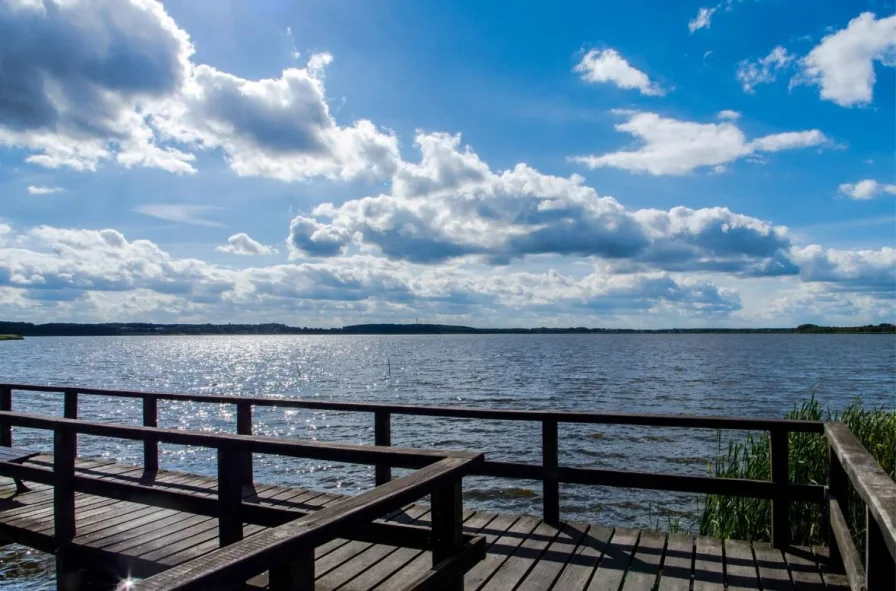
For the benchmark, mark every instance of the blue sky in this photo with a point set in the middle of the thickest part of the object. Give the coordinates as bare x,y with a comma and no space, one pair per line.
645,164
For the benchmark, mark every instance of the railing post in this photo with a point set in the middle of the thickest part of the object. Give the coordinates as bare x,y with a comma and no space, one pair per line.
151,443
447,529
880,567
70,410
382,435
64,484
296,575
780,478
230,498
839,488
6,405
244,427
550,461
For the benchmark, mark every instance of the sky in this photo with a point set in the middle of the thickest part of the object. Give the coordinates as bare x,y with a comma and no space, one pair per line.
495,164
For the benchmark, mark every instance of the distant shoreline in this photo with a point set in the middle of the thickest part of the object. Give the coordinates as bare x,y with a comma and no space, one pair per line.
27,329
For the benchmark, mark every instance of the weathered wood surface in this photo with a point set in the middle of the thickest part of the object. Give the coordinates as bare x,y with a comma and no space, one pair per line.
523,552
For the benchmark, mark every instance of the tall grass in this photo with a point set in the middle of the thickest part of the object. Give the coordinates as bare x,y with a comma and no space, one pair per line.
750,519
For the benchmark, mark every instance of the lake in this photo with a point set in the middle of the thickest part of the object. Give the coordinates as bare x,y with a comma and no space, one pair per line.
741,375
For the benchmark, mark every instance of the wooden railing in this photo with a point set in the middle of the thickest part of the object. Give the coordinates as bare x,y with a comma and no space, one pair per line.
851,466
437,473
779,490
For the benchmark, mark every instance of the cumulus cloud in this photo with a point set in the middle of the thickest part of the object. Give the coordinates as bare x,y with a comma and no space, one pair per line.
608,66
703,20
451,205
181,213
671,146
866,189
80,89
242,244
729,115
95,271
868,271
765,70
42,190
842,64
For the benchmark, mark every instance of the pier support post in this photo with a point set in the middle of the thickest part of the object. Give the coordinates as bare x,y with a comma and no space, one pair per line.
550,461
6,405
880,566
70,411
296,575
230,499
151,443
244,458
447,530
382,435
780,478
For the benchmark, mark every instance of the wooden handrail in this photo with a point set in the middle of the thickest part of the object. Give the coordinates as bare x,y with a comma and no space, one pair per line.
779,490
852,465
644,419
288,550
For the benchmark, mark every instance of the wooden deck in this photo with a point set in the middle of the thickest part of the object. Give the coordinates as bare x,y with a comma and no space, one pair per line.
523,552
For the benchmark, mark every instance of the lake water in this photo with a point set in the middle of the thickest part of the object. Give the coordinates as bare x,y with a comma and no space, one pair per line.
739,375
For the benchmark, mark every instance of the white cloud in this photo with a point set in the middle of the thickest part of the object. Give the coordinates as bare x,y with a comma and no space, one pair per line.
866,189
452,206
181,213
82,89
868,271
242,244
729,115
703,20
765,70
42,190
609,66
671,146
842,64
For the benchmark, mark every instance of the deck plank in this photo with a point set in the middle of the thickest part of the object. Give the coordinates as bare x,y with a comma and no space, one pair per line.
500,550
773,572
555,558
803,569
645,566
709,569
617,557
523,559
677,564
578,571
740,566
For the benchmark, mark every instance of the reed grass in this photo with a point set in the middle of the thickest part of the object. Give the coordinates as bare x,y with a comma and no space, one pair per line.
750,519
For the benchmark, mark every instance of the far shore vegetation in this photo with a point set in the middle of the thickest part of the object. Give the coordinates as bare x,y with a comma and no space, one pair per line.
10,337
750,519
144,328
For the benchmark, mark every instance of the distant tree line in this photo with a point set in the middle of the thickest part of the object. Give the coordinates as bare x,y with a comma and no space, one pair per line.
29,329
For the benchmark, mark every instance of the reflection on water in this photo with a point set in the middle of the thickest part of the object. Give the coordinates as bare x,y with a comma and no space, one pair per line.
744,375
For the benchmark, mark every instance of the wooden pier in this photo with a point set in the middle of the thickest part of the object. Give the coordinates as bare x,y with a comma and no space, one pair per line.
107,522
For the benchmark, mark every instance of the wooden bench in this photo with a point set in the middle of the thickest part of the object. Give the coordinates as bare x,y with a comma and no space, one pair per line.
14,455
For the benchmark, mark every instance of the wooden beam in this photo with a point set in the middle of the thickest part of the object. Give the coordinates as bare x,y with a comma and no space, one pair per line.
447,530
551,483
150,443
63,486
655,420
382,436
5,405
851,562
780,451
875,487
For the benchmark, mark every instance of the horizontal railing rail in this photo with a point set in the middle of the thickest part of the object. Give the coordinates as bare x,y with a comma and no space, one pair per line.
779,490
852,467
287,551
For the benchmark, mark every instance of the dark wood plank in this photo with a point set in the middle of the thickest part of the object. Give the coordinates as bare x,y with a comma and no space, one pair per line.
677,563
709,570
740,566
645,567
555,558
803,569
500,550
832,580
773,572
578,571
523,559
618,555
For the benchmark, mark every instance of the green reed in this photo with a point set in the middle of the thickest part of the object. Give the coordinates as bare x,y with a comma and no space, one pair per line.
750,519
